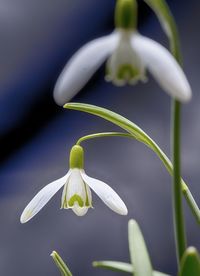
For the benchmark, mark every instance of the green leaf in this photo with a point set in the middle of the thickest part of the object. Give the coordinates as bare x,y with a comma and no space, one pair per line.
115,266
190,263
142,137
168,24
138,251
64,270
121,267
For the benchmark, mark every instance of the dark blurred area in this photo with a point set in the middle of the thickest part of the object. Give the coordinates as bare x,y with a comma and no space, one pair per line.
37,39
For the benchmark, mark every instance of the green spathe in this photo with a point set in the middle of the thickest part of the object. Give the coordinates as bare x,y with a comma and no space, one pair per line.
76,159
126,14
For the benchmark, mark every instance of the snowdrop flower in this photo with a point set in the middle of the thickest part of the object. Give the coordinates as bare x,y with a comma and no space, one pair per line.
76,193
129,55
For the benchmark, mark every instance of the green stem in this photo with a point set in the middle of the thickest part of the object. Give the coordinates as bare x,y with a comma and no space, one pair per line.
104,134
141,136
179,225
168,23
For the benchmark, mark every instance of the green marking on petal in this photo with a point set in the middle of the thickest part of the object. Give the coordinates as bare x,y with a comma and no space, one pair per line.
28,214
128,72
75,198
64,198
87,202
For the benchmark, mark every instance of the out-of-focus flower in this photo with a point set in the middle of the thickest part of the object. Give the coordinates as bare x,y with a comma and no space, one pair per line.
76,193
129,55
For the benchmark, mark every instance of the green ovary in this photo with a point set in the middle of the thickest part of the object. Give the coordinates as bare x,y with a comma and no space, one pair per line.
75,198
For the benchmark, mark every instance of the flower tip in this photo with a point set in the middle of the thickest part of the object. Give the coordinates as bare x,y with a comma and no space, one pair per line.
22,220
124,211
187,96
58,98
121,209
25,216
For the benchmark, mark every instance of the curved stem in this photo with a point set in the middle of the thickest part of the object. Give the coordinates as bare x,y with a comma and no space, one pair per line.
104,134
141,136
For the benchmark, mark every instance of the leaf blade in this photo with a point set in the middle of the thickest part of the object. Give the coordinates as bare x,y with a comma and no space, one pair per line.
190,263
138,251
121,267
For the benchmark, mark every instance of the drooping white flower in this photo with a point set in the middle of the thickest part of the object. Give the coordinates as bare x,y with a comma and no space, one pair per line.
76,193
129,55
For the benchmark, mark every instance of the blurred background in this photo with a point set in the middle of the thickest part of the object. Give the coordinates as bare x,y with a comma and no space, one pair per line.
37,39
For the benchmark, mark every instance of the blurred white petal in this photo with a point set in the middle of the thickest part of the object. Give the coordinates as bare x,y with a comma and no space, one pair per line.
41,198
125,66
107,194
82,66
163,67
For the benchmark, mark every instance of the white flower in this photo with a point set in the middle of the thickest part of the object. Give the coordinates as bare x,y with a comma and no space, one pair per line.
76,193
129,55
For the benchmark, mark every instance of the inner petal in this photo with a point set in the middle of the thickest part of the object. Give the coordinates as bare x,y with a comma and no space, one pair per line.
125,66
127,72
75,199
76,192
79,211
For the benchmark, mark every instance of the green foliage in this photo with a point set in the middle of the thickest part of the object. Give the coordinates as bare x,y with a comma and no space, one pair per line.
64,270
190,263
140,136
138,251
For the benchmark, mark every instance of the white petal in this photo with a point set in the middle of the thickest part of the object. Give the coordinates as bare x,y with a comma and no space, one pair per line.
79,211
41,198
107,194
82,66
76,185
163,67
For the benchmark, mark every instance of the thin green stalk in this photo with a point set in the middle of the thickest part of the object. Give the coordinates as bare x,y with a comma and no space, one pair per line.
104,134
142,137
179,225
168,23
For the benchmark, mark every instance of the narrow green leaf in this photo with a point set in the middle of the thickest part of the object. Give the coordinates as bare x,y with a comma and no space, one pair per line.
121,267
64,270
190,263
140,136
138,251
115,266
168,24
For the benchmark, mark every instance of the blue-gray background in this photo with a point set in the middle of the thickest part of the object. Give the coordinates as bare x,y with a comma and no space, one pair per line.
37,38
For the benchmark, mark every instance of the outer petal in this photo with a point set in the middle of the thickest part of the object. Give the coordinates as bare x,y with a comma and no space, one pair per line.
107,194
163,67
41,198
82,66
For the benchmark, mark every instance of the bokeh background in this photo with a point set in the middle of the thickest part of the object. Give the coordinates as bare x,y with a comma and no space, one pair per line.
37,39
